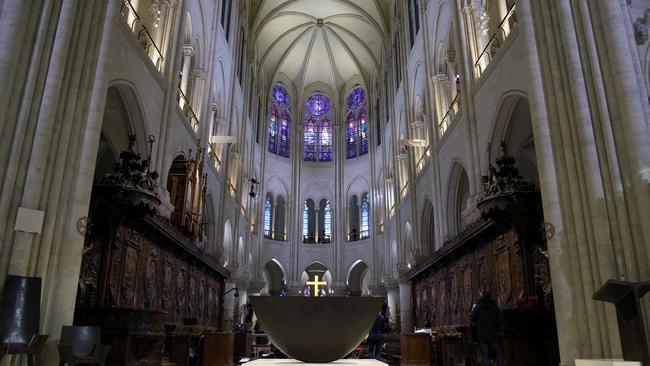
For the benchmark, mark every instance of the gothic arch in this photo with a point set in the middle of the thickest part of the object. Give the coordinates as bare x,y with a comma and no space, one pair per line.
136,118
211,232
458,193
227,243
512,123
276,276
407,244
356,276
427,228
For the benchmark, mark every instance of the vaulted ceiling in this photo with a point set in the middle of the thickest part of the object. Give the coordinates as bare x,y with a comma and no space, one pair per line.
327,41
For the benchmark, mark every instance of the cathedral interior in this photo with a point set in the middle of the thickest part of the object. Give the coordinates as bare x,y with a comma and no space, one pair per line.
166,160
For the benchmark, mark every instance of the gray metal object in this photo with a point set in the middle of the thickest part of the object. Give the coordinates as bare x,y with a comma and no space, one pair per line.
631,326
316,329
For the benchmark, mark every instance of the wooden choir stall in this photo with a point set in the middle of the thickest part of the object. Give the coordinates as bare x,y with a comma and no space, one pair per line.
143,274
503,253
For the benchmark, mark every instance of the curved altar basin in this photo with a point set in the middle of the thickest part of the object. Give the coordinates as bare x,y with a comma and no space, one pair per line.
316,329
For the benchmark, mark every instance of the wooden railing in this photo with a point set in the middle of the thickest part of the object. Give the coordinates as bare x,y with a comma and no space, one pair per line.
184,103
448,118
144,37
493,45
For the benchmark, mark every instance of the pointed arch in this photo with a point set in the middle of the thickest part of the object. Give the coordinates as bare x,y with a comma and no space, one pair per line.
457,197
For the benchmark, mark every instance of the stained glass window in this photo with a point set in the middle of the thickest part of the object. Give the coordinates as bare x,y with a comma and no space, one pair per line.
356,134
365,216
279,121
327,227
268,208
325,140
283,150
362,128
305,221
310,139
318,128
351,136
273,137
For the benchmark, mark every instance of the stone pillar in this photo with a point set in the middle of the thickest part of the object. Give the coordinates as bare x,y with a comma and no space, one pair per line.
49,135
230,305
188,53
405,307
393,301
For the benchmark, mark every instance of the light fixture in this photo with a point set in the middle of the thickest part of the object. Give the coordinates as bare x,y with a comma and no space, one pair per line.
235,289
254,182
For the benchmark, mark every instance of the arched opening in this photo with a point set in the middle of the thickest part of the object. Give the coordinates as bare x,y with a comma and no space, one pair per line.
275,278
353,219
309,221
427,228
457,200
210,225
408,245
279,227
316,271
324,231
357,279
227,243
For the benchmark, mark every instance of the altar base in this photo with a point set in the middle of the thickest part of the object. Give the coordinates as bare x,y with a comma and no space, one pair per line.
342,362
607,362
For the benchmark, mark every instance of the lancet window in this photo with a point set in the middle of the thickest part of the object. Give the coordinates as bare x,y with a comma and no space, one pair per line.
356,135
279,121
318,128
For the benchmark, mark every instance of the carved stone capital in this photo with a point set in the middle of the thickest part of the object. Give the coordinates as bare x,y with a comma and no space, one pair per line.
199,74
188,50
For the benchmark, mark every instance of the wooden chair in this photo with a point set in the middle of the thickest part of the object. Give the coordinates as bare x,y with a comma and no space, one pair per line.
82,345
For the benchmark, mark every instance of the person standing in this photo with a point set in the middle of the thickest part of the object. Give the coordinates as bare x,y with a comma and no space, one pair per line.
376,337
486,319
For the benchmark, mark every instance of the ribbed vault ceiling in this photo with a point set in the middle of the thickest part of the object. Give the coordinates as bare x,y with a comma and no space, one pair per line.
327,41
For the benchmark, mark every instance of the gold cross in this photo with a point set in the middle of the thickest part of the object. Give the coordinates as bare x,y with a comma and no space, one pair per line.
316,283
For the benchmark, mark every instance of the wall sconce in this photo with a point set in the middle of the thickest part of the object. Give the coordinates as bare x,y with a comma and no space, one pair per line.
232,289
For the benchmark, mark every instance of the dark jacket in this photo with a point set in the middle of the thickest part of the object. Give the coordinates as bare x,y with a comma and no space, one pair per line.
486,319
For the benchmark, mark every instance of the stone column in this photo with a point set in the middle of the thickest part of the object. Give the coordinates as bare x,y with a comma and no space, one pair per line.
188,53
230,305
393,300
405,313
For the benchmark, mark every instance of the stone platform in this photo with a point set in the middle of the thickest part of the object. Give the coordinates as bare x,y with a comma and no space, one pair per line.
606,362
291,362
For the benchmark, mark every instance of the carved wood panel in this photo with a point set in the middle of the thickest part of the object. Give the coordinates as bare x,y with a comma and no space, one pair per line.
444,294
143,271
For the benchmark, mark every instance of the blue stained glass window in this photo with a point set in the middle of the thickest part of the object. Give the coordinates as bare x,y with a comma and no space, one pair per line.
356,140
351,136
318,104
279,121
356,98
326,140
310,140
283,134
273,137
268,208
328,220
305,220
363,131
318,128
365,216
